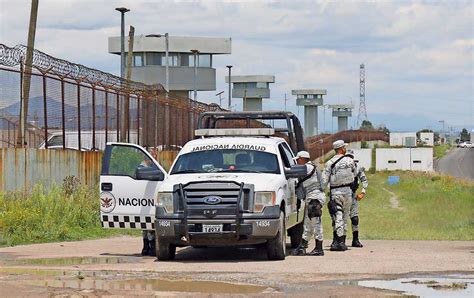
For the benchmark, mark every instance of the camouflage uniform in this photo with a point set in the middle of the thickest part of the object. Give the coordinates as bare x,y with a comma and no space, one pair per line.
340,179
354,214
313,227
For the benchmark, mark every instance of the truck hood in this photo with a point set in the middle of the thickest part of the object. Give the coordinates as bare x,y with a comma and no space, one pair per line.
261,182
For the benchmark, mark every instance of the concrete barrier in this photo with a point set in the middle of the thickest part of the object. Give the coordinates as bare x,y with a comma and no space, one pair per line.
363,157
407,159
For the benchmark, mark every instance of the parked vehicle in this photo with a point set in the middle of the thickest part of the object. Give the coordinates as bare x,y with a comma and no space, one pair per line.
229,187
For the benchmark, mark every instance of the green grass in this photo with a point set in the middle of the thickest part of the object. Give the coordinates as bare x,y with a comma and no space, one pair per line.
440,150
432,207
47,216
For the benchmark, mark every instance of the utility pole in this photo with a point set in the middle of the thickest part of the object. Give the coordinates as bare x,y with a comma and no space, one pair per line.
229,104
285,102
21,142
195,53
126,105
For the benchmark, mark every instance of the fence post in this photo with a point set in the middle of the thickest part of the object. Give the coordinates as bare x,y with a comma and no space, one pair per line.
63,115
156,123
93,117
45,114
106,115
138,119
118,117
79,115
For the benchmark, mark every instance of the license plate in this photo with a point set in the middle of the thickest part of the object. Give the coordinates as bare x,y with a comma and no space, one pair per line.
212,228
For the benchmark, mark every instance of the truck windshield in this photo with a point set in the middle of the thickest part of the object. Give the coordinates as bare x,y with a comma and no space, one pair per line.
227,160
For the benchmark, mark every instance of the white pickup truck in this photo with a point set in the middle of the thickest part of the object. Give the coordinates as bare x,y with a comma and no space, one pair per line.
229,187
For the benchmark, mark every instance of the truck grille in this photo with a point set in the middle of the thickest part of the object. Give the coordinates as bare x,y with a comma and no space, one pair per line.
219,198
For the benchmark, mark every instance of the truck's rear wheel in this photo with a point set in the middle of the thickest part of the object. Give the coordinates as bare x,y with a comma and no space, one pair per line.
164,250
296,234
276,247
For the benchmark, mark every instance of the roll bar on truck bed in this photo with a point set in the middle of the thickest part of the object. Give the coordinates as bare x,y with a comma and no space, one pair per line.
293,128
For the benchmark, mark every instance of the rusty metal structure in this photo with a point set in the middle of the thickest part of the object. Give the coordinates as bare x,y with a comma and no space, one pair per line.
82,107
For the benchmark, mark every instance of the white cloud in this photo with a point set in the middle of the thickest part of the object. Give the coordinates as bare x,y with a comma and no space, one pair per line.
417,53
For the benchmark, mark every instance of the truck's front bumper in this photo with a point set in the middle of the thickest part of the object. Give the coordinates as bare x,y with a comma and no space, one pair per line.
252,228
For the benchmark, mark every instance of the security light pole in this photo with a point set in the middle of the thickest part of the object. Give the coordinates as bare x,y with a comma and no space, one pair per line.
229,105
122,11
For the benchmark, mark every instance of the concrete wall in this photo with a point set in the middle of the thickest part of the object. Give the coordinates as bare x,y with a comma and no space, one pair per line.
399,138
177,44
415,159
180,78
251,92
427,138
363,157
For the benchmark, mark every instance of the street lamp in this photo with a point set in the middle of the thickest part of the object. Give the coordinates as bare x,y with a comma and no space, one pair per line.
122,11
166,55
229,104
220,98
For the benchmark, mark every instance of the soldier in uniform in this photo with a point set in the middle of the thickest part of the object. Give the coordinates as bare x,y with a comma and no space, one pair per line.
315,199
339,173
360,178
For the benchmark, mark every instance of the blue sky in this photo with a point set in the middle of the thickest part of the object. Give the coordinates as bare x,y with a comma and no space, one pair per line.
419,55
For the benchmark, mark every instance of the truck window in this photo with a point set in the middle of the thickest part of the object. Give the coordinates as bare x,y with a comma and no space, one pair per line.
227,160
286,155
125,160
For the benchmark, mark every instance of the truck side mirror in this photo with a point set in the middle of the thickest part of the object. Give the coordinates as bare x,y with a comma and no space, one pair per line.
296,171
147,173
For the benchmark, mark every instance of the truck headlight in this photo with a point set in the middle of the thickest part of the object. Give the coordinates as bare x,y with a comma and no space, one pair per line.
264,198
165,200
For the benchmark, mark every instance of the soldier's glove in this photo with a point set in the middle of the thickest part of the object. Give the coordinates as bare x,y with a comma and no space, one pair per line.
332,207
360,196
314,209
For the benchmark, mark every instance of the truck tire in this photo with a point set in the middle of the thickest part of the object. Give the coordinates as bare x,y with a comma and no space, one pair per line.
296,234
276,247
164,250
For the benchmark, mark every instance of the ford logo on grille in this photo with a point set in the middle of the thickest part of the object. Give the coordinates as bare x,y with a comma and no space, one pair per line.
212,200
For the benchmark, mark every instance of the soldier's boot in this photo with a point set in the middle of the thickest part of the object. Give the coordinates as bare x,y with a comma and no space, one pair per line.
343,242
340,245
355,239
301,249
318,249
334,241
152,248
146,247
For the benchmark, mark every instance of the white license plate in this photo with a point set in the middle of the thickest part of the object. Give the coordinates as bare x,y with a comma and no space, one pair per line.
212,228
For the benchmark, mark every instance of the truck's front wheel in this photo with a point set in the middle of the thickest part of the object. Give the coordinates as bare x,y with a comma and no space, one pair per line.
164,250
276,247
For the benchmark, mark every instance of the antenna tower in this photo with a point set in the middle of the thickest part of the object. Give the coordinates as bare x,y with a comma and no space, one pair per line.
362,107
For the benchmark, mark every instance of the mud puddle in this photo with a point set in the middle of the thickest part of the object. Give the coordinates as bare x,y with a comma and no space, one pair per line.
437,286
72,261
155,285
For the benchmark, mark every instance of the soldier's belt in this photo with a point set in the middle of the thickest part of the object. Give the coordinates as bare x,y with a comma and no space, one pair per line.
340,186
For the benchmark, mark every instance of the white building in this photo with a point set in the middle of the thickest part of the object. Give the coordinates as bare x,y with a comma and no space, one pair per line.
427,138
405,139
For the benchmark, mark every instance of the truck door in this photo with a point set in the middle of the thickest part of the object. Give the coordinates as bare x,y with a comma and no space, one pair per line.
129,183
291,207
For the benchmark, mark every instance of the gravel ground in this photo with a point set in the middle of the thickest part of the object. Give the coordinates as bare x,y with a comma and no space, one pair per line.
117,259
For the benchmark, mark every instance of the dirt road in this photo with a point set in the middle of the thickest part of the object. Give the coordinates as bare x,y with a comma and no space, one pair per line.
459,162
112,266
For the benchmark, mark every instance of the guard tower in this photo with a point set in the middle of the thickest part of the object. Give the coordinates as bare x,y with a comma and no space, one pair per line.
310,99
342,112
252,89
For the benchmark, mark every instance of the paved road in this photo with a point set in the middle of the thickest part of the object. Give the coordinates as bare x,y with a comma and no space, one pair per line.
459,162
334,274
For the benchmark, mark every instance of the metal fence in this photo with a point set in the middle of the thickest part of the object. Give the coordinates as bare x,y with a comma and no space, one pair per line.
73,106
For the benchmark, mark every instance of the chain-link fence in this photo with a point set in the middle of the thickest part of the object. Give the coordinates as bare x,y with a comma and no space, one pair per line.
73,106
